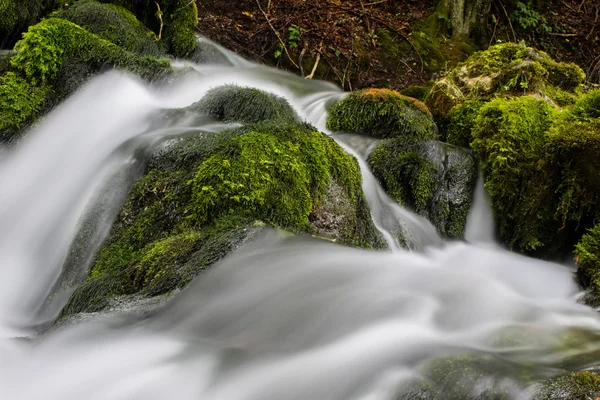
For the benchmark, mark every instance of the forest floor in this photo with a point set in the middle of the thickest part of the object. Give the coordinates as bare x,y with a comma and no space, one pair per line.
389,43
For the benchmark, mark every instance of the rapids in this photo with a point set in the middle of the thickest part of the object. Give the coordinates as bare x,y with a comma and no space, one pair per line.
283,318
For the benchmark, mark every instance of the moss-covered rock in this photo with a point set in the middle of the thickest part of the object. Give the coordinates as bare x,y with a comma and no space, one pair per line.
434,179
510,137
462,122
507,68
20,102
175,22
17,15
201,197
575,386
416,92
115,24
587,254
382,113
232,103
587,106
46,46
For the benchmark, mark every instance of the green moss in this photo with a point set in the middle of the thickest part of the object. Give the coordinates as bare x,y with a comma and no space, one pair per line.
233,103
201,196
407,176
510,136
47,45
567,76
181,20
462,122
587,254
561,97
115,24
276,175
574,149
16,15
382,113
20,102
416,92
575,386
587,107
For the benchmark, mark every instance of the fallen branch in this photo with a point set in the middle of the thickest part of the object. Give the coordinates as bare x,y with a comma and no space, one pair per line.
277,34
314,68
159,16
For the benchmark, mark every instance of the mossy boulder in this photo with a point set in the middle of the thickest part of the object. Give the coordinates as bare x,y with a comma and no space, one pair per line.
17,15
507,68
587,254
382,113
510,138
115,24
432,178
575,386
416,92
176,25
51,61
201,198
232,103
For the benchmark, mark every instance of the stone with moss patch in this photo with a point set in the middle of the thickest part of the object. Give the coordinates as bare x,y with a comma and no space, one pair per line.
462,121
382,113
575,386
201,196
115,24
434,179
232,103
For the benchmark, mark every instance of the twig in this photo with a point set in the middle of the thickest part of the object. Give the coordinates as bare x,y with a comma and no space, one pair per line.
277,34
509,22
314,68
563,34
375,3
159,16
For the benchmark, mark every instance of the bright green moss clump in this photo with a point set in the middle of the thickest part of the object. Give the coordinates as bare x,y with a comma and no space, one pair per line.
462,121
47,45
115,24
510,135
233,103
382,113
587,107
19,103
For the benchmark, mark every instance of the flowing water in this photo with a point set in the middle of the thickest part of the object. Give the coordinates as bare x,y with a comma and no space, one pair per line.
282,318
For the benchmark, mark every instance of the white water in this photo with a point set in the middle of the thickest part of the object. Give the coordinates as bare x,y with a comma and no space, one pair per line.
284,319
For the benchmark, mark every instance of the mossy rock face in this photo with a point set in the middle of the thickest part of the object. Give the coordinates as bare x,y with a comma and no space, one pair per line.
179,19
47,45
510,137
382,113
462,122
416,92
587,254
434,179
443,97
115,24
53,59
201,197
507,68
231,103
575,386
19,103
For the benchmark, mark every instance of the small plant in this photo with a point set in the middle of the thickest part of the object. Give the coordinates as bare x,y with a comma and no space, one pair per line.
526,17
294,34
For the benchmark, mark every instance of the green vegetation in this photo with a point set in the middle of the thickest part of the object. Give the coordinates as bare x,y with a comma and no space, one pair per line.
233,103
20,102
382,113
201,196
416,92
47,45
17,15
587,254
115,24
507,68
510,137
462,122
